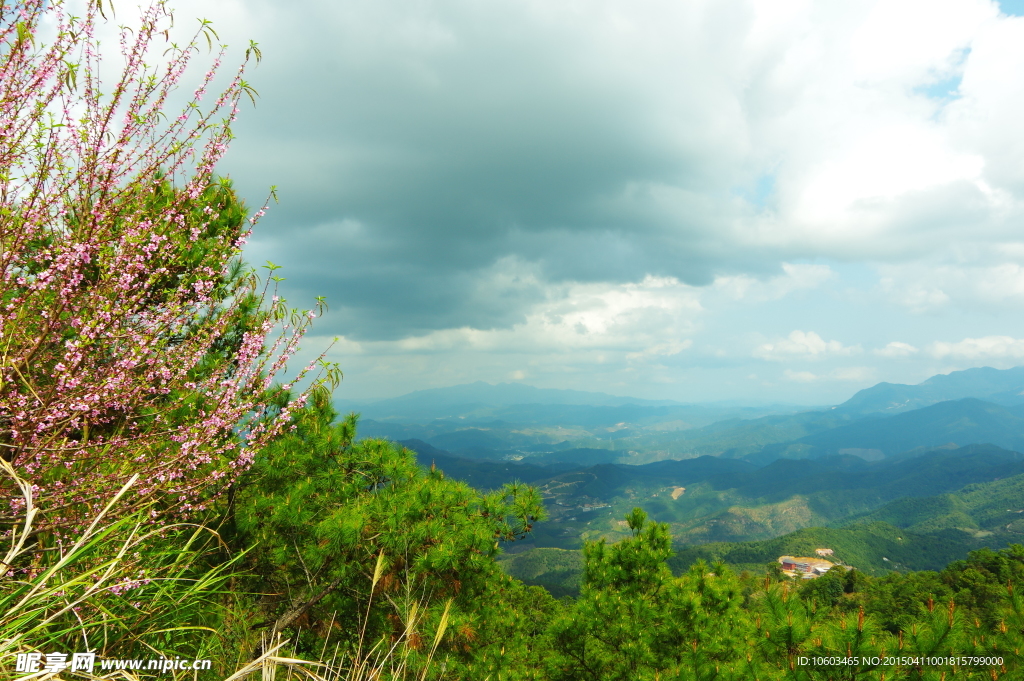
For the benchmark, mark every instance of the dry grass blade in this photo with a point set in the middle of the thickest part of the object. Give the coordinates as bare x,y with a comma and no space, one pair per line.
269,661
25,609
18,538
441,626
378,570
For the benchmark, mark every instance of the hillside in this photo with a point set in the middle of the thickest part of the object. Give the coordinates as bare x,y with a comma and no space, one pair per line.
712,499
991,509
912,533
560,571
874,548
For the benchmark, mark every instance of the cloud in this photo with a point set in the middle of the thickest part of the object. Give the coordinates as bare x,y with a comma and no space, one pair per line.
645,320
626,193
858,374
896,349
794,277
851,374
421,151
931,286
661,350
987,347
804,345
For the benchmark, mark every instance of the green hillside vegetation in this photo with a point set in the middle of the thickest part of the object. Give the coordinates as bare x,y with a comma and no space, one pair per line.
993,508
327,528
712,499
912,533
874,548
786,495
559,571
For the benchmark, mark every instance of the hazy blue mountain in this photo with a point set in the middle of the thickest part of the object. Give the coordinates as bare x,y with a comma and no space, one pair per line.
965,421
743,438
566,475
993,385
499,426
862,426
478,402
928,473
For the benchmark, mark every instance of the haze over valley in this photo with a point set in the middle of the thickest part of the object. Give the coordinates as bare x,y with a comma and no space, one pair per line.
900,477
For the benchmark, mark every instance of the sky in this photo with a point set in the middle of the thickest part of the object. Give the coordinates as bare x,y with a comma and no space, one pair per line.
750,200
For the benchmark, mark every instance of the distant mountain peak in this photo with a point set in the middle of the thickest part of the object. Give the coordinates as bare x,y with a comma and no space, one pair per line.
1001,386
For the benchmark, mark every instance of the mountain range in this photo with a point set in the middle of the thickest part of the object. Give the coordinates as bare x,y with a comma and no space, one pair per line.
972,406
897,477
1005,387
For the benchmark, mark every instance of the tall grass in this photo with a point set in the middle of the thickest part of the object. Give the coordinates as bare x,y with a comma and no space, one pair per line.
397,659
121,589
125,589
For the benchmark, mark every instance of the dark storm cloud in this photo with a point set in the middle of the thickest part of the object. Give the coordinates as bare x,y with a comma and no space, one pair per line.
471,138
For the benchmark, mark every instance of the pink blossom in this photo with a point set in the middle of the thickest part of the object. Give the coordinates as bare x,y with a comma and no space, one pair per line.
103,330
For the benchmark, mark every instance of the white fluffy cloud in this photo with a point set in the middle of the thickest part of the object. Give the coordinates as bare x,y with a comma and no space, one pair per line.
985,348
804,345
648,319
635,127
929,287
847,374
794,277
896,349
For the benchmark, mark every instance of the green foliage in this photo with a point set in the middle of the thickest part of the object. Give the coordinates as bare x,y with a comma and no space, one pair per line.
899,600
727,500
559,571
634,620
827,590
874,548
322,508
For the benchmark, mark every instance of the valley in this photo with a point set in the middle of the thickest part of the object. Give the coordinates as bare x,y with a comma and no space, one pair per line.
897,478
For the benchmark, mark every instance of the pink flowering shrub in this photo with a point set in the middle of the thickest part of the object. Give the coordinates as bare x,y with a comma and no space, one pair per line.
131,341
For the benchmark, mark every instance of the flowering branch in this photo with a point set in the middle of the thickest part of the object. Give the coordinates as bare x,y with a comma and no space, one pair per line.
131,341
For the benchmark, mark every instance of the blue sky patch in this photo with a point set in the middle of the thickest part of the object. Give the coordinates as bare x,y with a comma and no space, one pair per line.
945,89
1012,7
760,193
